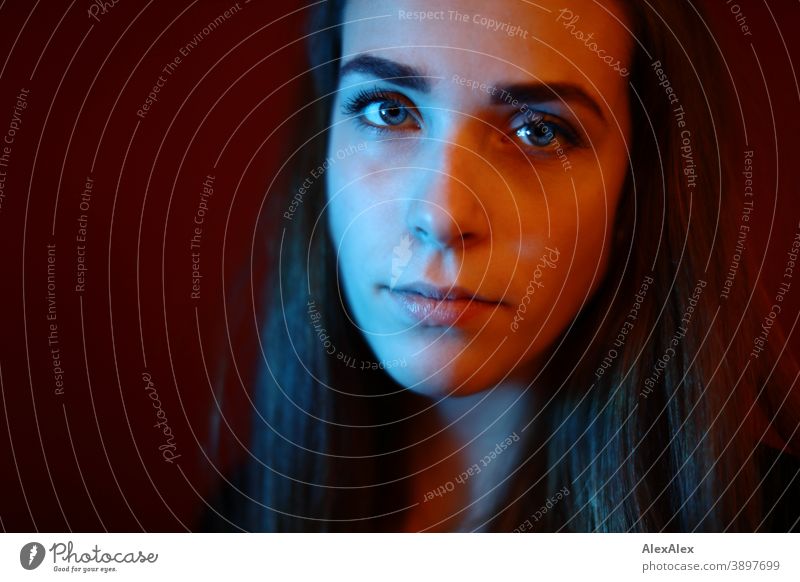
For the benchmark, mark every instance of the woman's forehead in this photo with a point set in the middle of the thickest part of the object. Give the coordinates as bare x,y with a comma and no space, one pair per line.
503,41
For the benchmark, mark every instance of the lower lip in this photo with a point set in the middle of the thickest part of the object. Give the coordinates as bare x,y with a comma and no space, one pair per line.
447,312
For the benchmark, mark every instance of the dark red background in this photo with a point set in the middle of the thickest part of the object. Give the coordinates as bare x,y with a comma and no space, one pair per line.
89,459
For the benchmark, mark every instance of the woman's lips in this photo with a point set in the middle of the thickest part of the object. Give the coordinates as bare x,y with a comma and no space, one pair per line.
440,312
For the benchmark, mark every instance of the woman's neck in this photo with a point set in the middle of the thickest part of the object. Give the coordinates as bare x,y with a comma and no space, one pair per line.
464,470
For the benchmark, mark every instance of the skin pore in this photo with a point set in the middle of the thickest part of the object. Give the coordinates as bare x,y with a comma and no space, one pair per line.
468,157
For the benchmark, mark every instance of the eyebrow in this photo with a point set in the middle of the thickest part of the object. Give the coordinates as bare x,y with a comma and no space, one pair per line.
380,68
414,78
540,92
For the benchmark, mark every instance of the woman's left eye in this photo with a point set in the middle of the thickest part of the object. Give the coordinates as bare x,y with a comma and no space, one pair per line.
541,134
537,135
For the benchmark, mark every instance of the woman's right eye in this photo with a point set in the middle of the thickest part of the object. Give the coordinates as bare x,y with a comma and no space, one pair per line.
379,110
385,113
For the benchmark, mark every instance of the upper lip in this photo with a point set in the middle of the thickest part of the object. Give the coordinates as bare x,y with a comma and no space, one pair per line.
442,293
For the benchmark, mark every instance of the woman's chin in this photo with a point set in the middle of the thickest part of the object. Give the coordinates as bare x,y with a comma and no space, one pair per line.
437,381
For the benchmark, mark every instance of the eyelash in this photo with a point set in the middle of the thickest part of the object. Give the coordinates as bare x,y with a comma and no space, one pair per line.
356,105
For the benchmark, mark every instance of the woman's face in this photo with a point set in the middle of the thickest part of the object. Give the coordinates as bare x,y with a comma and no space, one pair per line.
476,158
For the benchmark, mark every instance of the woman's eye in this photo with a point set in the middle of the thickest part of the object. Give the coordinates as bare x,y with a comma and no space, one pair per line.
542,133
536,134
385,113
380,110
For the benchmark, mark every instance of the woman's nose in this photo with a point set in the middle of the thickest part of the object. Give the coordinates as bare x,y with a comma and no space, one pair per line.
445,209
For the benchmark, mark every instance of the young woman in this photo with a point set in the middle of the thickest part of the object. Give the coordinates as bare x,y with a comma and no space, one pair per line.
503,296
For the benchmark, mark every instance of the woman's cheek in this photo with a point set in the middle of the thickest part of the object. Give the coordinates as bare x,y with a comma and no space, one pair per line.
360,219
561,254
349,190
363,174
